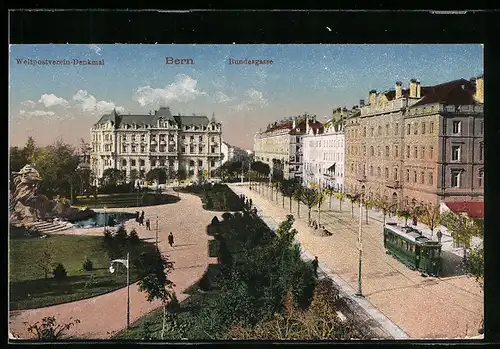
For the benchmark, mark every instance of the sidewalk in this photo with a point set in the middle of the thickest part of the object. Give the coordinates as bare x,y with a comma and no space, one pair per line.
388,327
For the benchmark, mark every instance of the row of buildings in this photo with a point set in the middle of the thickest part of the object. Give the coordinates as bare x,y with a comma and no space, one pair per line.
420,144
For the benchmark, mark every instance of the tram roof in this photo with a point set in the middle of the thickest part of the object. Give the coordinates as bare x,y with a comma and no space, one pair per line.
409,233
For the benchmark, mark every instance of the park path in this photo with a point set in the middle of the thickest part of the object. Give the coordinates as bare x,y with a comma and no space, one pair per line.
423,307
103,316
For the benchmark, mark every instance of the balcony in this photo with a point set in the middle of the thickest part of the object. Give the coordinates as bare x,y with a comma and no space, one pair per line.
391,183
153,142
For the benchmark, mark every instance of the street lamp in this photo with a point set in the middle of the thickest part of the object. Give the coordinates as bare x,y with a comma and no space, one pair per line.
360,244
125,262
157,232
137,187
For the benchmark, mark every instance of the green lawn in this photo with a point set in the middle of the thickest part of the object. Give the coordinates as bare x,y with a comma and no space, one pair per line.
125,200
30,289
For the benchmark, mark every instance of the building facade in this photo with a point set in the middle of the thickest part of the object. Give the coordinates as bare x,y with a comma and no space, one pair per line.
280,145
323,154
136,144
232,153
422,144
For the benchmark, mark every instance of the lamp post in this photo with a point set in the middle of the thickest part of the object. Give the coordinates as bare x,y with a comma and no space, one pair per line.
360,245
125,262
157,232
137,197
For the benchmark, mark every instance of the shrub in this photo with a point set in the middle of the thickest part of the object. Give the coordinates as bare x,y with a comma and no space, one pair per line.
120,236
174,304
133,237
209,205
227,216
107,235
87,264
215,220
59,272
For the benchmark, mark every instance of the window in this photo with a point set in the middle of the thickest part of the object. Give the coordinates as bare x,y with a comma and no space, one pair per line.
379,131
386,172
415,152
396,129
124,148
414,176
132,162
455,153
378,151
352,167
142,162
431,127
212,163
133,148
371,170
364,131
386,129
183,149
480,178
200,163
422,177
431,152
415,129
431,179
396,151
481,151
408,175
191,162
372,151
124,162
481,127
455,179
456,127
364,150
201,138
183,137
422,152
395,173
143,148
408,129
371,132
423,127
387,151
408,151
378,171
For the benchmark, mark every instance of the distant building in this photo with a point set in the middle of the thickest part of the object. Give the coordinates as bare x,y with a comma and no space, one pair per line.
280,145
421,144
233,154
136,144
323,153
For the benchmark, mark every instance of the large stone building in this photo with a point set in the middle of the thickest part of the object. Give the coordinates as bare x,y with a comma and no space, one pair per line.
232,153
136,144
323,153
280,145
421,144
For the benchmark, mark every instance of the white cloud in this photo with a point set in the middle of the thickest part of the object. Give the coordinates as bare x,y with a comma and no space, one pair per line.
29,103
52,100
36,113
95,48
220,97
88,103
254,99
182,90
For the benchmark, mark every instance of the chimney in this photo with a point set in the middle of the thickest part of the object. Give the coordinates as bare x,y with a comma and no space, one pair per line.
479,95
418,89
413,88
293,123
361,102
372,96
307,124
399,89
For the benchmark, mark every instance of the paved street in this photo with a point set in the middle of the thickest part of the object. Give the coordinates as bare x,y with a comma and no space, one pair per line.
105,315
423,307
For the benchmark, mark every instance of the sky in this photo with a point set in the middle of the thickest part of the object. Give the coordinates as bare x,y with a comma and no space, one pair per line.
51,102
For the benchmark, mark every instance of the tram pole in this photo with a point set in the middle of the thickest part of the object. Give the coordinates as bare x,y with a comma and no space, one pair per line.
360,245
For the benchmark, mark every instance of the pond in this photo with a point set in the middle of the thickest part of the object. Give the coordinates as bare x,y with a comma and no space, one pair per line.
112,218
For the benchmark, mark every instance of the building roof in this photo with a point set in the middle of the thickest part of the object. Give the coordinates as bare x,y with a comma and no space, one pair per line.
458,92
472,209
152,119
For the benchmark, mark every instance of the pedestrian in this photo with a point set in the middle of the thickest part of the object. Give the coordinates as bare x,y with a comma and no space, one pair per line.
439,235
414,221
137,216
315,266
148,224
170,239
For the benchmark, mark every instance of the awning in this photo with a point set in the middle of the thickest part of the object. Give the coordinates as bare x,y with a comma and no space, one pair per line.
331,167
472,209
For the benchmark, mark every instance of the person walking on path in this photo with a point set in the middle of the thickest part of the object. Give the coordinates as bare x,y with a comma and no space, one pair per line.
141,219
171,239
439,235
148,224
137,216
315,266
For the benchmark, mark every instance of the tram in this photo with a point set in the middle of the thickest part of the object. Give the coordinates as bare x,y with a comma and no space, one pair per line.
411,248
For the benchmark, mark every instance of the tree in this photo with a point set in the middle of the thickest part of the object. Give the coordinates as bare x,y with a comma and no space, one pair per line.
310,197
158,174
462,228
431,217
113,176
368,203
405,213
354,198
155,282
46,259
330,191
30,150
383,204
475,264
287,189
341,197
297,195
49,330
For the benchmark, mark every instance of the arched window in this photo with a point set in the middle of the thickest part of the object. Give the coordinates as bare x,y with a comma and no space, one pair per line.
124,162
